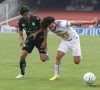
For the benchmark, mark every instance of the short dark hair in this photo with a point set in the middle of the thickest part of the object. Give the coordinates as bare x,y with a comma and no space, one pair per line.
47,21
24,9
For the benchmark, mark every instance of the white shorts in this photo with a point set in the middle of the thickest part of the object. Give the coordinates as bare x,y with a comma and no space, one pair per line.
73,44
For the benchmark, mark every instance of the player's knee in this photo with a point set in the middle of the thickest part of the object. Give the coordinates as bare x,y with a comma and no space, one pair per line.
76,61
58,57
22,57
43,59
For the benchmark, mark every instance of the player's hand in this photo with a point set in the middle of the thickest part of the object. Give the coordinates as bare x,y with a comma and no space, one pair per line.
43,45
33,34
21,43
94,21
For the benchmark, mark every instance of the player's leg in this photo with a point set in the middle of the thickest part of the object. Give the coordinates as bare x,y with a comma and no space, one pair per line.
27,48
43,51
77,59
22,63
43,56
77,55
59,56
62,49
76,51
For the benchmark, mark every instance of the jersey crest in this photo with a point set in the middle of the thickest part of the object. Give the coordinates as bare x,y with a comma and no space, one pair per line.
33,23
23,25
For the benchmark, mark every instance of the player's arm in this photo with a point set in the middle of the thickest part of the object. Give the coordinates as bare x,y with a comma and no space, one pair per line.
45,35
21,37
34,34
73,23
45,39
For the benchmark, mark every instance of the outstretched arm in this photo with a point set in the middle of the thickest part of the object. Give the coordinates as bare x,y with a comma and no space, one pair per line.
73,23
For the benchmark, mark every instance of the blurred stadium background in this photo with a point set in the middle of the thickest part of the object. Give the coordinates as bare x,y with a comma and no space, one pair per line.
37,73
60,9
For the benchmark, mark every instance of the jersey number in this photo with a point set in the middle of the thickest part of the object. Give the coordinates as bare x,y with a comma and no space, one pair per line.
64,35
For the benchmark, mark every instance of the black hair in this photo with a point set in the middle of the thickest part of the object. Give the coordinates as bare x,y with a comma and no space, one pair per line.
47,21
24,9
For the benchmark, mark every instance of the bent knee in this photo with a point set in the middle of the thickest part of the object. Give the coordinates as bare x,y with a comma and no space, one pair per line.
43,59
76,61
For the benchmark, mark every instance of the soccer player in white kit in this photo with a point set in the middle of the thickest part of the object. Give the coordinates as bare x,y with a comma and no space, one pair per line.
69,39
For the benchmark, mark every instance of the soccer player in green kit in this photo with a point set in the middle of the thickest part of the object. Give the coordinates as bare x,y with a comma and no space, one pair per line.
31,25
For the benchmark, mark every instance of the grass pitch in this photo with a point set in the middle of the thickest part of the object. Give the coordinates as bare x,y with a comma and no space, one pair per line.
38,73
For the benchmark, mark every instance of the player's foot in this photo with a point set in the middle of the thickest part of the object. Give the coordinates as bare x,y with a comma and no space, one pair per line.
47,57
20,76
54,78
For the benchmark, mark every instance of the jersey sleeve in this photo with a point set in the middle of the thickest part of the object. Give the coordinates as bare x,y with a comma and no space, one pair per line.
63,23
20,28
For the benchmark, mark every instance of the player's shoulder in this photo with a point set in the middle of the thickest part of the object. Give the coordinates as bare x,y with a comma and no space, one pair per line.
60,23
21,20
33,17
61,20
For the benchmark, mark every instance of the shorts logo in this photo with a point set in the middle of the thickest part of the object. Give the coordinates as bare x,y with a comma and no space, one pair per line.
75,53
25,46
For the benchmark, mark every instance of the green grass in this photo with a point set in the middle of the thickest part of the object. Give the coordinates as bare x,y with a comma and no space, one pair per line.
38,73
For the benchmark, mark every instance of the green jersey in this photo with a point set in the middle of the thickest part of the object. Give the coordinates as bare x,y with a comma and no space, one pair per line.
31,27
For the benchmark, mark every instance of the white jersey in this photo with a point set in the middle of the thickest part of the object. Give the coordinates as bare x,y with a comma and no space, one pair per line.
64,30
69,37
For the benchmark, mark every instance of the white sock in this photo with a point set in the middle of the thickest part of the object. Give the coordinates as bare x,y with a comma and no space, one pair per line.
57,69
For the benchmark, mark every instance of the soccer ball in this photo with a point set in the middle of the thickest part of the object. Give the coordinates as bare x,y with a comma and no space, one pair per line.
89,78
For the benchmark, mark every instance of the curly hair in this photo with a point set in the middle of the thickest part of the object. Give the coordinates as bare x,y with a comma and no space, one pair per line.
47,21
24,9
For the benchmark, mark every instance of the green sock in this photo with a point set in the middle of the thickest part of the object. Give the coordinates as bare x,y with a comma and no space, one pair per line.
22,66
